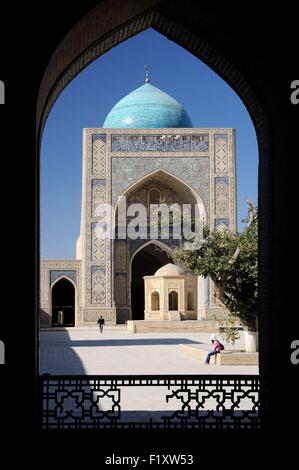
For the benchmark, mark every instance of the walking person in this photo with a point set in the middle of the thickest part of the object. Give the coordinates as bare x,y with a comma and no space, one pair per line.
217,347
101,323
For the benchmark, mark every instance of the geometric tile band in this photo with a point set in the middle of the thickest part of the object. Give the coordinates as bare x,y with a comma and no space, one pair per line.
160,143
221,153
222,197
55,274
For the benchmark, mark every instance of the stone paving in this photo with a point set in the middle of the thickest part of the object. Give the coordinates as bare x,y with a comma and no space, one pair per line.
116,351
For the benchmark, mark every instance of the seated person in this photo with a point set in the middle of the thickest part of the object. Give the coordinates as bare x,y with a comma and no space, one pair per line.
216,348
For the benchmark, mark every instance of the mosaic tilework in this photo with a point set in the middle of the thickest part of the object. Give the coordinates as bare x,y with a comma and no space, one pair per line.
98,285
92,315
117,160
122,315
221,153
98,246
56,274
136,244
222,197
98,194
99,158
193,171
160,143
102,137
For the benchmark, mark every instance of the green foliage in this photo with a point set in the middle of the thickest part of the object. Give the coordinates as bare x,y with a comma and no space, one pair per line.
230,330
231,261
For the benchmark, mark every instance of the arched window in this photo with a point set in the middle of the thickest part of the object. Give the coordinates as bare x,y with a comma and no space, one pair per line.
155,301
173,300
190,303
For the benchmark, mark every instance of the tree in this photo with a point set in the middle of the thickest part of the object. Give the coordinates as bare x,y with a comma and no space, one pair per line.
230,330
231,261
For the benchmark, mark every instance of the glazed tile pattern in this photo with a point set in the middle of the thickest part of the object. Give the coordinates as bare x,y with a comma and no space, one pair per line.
160,143
56,274
193,171
147,107
188,165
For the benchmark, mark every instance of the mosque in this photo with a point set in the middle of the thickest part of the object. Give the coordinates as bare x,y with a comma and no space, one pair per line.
146,152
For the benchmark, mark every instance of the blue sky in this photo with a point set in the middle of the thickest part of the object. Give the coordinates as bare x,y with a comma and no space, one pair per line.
86,101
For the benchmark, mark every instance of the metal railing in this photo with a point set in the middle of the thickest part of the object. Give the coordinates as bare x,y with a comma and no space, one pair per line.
203,402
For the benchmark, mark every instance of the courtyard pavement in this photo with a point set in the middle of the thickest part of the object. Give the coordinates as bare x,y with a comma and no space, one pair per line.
85,351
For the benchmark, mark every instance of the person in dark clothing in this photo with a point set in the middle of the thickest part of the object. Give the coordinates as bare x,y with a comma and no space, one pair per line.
101,323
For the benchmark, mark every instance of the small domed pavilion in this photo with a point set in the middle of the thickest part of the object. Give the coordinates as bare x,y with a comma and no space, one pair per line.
170,294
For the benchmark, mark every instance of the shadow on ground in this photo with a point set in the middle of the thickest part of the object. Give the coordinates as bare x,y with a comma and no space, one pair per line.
132,342
64,338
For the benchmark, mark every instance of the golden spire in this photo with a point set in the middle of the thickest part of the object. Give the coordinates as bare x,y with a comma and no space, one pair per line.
146,74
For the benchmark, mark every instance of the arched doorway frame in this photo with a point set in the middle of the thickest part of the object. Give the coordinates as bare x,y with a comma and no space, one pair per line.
159,244
100,30
148,176
136,184
75,297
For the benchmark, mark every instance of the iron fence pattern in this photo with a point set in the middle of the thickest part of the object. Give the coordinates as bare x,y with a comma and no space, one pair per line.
203,402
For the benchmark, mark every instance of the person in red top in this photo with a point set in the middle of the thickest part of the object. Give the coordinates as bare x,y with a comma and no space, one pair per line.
216,348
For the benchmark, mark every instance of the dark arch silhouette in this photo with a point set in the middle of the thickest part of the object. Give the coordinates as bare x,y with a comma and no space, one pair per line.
101,29
258,56
145,263
250,67
63,303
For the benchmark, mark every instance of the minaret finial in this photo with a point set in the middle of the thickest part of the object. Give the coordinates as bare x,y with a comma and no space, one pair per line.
146,74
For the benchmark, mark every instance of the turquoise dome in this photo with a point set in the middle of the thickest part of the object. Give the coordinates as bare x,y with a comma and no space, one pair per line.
147,107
